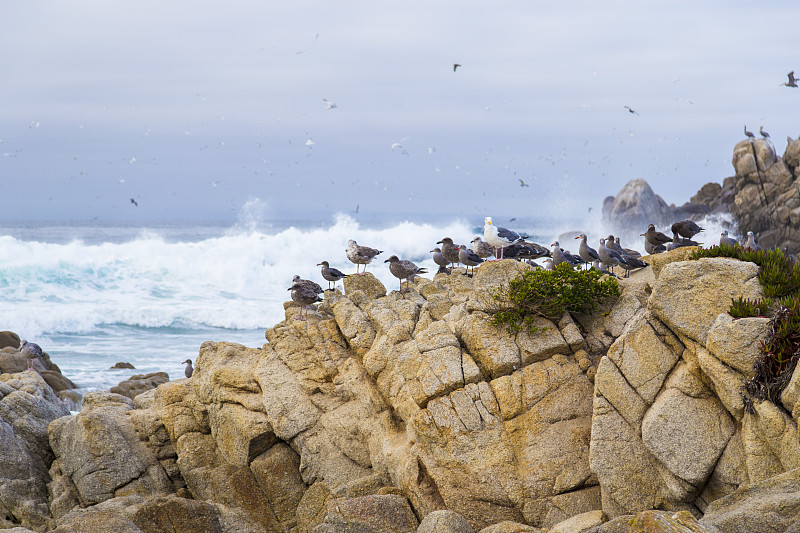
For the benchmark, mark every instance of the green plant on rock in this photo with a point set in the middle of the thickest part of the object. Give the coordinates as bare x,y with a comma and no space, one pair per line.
780,350
549,294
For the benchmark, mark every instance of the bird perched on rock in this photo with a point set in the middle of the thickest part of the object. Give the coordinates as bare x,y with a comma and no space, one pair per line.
652,249
404,270
332,275
533,250
678,242
763,133
586,252
626,251
469,258
655,237
449,250
499,237
439,259
751,242
686,228
629,263
31,351
188,371
748,134
608,256
728,241
481,247
361,255
305,293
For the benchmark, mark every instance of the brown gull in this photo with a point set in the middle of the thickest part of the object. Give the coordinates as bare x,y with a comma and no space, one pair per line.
655,237
188,371
304,294
469,258
678,242
360,255
31,350
404,270
332,275
686,228
449,250
499,237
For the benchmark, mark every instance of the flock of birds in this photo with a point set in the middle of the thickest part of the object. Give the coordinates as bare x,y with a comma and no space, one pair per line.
503,243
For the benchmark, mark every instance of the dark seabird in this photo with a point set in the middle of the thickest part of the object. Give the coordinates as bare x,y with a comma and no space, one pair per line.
729,241
586,252
469,258
188,371
561,256
449,250
749,134
680,241
751,242
404,270
134,202
332,275
611,243
792,80
481,247
631,111
686,228
763,133
360,255
608,256
631,263
455,66
439,259
652,249
312,285
304,294
522,183
31,351
499,237
655,237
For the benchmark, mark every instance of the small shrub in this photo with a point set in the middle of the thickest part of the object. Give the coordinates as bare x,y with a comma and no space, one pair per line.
551,293
744,308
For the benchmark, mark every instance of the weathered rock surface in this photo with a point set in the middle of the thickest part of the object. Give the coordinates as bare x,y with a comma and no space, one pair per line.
135,385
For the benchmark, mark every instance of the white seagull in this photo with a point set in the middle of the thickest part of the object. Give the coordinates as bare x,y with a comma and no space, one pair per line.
499,237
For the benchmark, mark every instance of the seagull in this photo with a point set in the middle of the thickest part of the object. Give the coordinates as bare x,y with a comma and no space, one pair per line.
332,275
305,293
30,350
608,256
188,371
404,270
360,255
449,250
631,111
329,104
469,258
686,228
586,252
134,202
751,242
455,66
792,81
522,183
655,237
625,251
499,237
749,134
481,247
763,133
558,255
439,259
727,241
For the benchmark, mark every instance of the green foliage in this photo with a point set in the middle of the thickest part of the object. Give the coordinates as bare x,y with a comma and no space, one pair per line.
551,293
780,281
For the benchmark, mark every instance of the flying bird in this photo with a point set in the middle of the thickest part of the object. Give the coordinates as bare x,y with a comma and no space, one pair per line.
134,202
329,104
631,111
522,183
792,80
749,134
455,66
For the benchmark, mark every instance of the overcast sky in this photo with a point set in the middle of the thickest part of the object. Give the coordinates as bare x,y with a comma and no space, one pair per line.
195,108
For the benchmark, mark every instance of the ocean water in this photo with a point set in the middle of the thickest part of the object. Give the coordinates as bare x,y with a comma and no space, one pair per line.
94,294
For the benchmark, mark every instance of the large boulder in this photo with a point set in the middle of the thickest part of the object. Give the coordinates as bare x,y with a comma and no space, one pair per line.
633,208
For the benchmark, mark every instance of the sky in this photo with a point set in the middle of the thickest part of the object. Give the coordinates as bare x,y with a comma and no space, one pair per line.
195,110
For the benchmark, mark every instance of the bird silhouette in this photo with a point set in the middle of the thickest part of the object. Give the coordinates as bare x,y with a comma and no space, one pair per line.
455,66
763,133
631,111
134,202
792,80
749,134
522,183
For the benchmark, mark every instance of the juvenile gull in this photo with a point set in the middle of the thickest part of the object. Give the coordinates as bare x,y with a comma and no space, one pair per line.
678,241
481,247
655,237
304,293
728,241
449,250
360,255
751,242
686,228
439,259
652,249
586,252
332,275
536,250
469,258
404,270
188,371
31,351
499,237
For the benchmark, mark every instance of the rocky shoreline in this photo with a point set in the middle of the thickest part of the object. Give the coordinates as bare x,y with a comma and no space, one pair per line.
412,412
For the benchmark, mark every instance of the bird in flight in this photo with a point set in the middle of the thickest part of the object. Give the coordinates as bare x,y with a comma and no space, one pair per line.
455,66
792,80
522,183
631,111
134,202
329,104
